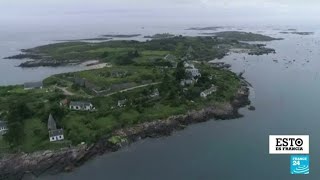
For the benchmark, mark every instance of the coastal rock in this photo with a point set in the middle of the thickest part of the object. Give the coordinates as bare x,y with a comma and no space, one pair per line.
252,108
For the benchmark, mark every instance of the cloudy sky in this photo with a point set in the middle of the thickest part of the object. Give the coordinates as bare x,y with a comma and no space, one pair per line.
228,11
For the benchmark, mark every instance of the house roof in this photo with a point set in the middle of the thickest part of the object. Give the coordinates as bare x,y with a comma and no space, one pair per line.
51,123
57,132
122,101
33,84
170,57
80,103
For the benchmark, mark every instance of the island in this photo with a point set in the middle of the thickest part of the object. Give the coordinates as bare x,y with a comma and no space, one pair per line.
160,36
201,48
89,39
297,33
212,28
241,36
121,35
149,89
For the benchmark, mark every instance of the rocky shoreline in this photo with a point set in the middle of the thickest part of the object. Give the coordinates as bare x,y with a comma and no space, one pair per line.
17,166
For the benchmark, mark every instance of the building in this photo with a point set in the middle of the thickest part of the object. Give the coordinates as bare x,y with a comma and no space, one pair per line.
81,106
51,123
155,93
3,127
185,82
194,72
122,103
54,133
188,65
209,91
33,85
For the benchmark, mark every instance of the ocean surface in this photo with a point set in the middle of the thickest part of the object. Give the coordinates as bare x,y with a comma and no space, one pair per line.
285,94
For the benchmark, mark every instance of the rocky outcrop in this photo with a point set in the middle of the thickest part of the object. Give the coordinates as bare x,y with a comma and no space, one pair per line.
16,166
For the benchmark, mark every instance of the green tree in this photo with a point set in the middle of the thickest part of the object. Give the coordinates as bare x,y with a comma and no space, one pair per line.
18,113
180,72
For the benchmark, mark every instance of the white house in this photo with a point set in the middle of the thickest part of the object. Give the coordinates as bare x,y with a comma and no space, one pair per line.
209,91
33,85
122,103
194,72
54,133
3,127
81,106
185,82
190,68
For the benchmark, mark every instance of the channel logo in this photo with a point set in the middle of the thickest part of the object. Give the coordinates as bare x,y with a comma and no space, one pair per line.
288,144
299,164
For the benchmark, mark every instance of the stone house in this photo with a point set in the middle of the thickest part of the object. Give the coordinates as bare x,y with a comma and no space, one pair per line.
54,133
122,103
81,106
3,127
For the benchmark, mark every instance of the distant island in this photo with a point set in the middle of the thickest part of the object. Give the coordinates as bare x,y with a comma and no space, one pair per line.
213,28
160,36
241,36
89,39
298,33
202,48
121,35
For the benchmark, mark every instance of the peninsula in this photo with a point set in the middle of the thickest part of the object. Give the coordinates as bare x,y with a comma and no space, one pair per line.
148,89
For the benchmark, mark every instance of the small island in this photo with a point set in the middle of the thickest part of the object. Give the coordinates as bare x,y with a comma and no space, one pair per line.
121,35
89,39
241,36
212,28
297,33
160,36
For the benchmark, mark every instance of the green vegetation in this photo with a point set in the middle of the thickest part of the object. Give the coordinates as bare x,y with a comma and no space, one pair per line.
160,36
242,36
141,78
117,139
141,53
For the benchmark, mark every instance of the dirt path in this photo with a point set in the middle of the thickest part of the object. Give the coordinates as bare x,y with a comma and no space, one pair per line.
68,93
65,91
132,88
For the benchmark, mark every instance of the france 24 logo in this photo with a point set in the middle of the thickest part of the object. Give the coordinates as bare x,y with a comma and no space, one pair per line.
288,144
299,164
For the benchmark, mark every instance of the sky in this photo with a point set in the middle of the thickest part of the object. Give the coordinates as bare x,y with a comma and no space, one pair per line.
171,11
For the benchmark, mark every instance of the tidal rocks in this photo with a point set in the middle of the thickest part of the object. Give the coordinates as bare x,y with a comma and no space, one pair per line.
252,108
